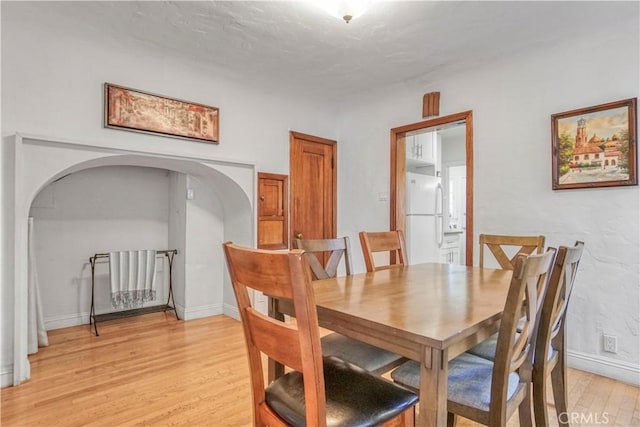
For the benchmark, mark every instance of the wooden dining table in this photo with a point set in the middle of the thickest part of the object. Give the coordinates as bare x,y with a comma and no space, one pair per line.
427,312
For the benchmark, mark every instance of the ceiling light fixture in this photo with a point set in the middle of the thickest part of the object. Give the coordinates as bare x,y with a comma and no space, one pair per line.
343,9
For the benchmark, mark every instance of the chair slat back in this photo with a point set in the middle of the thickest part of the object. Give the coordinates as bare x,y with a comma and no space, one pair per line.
385,241
338,248
556,301
287,275
515,352
497,243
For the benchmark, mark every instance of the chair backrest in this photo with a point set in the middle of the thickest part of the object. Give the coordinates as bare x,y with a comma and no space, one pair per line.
556,300
337,247
497,243
385,241
516,338
284,275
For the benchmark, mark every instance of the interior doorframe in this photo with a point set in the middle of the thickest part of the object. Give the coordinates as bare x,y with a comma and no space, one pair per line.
399,168
293,165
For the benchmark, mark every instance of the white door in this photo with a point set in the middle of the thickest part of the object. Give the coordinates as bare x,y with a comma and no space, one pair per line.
421,239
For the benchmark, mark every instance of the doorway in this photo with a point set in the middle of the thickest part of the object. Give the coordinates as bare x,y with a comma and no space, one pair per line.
415,146
313,171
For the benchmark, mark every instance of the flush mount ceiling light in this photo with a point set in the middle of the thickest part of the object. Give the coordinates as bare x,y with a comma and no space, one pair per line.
343,9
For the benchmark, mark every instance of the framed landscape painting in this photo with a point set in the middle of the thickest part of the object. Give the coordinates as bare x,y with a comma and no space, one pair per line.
131,109
595,146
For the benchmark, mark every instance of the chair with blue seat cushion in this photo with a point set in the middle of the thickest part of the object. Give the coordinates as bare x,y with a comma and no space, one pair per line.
550,355
489,392
487,348
551,336
368,357
318,391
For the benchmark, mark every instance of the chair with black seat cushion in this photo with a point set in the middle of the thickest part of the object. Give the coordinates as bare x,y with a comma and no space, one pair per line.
383,241
318,391
497,243
368,357
551,353
489,392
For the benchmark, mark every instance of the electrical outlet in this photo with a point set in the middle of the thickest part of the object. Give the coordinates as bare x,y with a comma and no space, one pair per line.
610,343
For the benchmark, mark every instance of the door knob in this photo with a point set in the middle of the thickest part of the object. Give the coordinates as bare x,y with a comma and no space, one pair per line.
298,235
262,198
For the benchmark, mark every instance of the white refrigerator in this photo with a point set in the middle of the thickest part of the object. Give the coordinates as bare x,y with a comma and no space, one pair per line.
424,218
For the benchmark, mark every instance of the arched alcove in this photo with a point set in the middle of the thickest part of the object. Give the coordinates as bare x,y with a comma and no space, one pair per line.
40,161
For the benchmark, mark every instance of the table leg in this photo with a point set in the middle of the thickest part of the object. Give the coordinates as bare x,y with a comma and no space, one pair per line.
275,369
433,388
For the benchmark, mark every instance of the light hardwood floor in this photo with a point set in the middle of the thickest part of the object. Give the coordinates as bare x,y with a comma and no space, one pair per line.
153,370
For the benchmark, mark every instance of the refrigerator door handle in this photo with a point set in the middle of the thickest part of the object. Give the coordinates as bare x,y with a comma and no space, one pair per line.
439,216
439,207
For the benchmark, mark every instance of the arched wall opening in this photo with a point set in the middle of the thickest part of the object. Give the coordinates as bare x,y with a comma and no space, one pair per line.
222,210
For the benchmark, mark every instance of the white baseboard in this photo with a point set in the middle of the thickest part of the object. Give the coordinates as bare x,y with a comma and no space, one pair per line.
231,311
618,370
6,376
66,321
200,311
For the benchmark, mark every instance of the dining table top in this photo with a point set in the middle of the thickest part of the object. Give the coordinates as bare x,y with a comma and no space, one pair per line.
429,313
430,304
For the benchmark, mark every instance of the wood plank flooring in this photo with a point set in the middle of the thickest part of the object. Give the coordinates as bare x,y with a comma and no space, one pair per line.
154,370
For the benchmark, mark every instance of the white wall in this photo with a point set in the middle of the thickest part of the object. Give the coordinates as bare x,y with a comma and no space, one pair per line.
204,260
52,81
453,148
95,211
52,84
512,102
196,229
177,235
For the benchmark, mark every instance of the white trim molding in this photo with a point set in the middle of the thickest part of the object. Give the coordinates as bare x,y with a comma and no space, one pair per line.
232,311
199,312
66,321
6,376
616,369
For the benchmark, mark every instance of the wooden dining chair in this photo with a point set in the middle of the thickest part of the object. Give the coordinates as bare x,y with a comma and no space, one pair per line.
318,391
337,248
487,348
497,244
551,352
385,241
489,392
368,357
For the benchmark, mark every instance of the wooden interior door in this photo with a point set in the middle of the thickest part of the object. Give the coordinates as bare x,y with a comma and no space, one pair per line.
272,211
313,174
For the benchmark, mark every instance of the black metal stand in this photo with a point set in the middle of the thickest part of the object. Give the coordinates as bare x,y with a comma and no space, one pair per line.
94,318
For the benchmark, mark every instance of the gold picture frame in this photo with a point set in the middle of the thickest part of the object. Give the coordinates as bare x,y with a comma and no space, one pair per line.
595,146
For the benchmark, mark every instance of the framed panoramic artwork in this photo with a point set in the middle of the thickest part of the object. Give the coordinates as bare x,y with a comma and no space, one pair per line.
595,146
134,110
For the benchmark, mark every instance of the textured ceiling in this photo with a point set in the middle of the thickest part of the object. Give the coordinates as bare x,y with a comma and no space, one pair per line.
295,45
